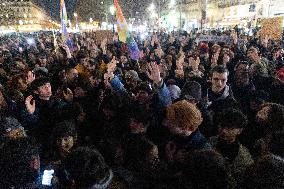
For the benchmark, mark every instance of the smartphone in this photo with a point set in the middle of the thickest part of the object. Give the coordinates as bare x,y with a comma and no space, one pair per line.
47,177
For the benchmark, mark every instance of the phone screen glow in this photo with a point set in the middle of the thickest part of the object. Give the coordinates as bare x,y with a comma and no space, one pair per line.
47,177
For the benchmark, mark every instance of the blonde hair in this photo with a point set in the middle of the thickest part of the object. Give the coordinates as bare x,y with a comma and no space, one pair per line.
184,115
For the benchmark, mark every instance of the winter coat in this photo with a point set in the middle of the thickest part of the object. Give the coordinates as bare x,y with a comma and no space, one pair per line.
240,163
218,102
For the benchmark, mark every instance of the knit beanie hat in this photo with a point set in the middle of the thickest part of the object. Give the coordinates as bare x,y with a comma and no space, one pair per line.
191,90
184,115
174,91
8,124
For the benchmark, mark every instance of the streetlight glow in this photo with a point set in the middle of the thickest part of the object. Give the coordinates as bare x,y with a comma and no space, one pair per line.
152,7
75,14
112,10
172,3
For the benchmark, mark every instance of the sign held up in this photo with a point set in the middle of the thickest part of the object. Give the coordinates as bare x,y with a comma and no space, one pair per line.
213,38
272,27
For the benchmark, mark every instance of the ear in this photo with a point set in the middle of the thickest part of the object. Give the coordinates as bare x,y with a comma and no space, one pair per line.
64,74
35,163
240,131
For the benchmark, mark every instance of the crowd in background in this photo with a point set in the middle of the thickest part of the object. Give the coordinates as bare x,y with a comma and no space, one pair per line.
185,115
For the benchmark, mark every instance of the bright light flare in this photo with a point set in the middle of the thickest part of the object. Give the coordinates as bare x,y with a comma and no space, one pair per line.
112,10
151,7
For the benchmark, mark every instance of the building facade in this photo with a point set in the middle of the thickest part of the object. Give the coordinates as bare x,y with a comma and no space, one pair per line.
186,14
24,16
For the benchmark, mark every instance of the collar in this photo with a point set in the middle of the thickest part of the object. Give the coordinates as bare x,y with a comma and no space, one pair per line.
103,184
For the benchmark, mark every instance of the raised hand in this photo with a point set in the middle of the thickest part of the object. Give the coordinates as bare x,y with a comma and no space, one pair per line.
107,78
103,45
156,40
30,104
30,77
68,95
256,58
67,50
195,64
179,71
42,45
181,58
111,66
234,36
153,72
94,45
146,43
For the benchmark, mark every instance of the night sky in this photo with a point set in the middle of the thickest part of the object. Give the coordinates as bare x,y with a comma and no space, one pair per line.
129,7
52,7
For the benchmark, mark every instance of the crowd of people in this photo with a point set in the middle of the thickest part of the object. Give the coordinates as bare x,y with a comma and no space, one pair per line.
187,114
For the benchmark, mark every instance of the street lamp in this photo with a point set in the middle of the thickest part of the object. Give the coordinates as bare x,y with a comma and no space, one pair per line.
76,16
153,14
112,11
151,7
172,3
178,6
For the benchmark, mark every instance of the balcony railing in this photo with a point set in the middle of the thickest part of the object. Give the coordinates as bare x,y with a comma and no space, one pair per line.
227,3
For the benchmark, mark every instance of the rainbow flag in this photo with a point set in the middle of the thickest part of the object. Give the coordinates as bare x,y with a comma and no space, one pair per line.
64,21
124,34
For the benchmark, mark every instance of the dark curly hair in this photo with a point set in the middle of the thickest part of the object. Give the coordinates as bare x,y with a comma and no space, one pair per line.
38,82
15,162
231,118
86,166
63,129
275,120
207,169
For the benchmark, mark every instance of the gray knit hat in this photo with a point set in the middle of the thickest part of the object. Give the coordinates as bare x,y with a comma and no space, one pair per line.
8,124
